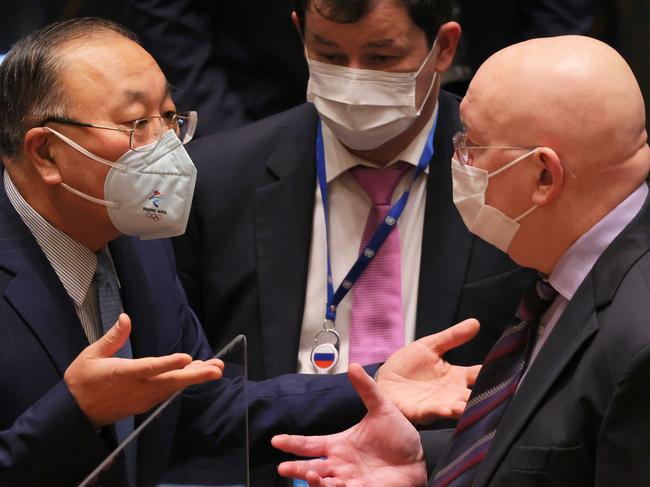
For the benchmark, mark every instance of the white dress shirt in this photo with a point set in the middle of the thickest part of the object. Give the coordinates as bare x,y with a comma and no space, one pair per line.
349,207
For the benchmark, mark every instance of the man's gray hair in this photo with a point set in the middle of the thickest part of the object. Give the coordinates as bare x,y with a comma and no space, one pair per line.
30,88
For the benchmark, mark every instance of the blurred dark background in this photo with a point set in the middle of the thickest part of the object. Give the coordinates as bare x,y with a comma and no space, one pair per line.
235,27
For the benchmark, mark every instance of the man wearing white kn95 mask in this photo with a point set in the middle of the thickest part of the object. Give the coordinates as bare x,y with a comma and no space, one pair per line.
95,329
327,233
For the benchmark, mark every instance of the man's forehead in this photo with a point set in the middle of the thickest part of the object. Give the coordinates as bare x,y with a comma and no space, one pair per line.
383,25
118,72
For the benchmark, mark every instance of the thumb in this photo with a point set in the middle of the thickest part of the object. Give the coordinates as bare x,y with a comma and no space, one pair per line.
366,387
113,339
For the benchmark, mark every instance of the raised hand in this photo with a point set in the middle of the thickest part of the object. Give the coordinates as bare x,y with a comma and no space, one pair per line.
108,389
382,450
422,384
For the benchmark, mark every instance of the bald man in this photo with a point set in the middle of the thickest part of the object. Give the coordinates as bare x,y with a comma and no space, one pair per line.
551,168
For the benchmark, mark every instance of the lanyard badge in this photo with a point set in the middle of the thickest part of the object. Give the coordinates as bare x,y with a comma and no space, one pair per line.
326,346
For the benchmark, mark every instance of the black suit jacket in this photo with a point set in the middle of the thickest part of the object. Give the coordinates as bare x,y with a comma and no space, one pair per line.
244,258
234,61
581,416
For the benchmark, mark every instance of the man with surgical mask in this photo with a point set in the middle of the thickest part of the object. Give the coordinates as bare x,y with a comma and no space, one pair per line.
95,328
327,233
552,167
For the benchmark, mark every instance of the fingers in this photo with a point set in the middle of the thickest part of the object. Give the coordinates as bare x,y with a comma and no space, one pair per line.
471,373
315,480
304,446
150,367
300,468
452,337
457,409
180,379
109,344
143,368
366,387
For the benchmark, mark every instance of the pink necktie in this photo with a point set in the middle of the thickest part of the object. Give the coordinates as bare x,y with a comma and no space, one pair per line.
376,323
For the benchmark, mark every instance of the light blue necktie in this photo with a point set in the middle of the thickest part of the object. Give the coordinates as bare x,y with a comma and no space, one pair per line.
110,307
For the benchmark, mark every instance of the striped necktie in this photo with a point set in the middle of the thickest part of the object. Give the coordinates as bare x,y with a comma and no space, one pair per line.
110,307
494,388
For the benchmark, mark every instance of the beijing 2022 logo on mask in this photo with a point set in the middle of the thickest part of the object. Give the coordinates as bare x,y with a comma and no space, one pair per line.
156,213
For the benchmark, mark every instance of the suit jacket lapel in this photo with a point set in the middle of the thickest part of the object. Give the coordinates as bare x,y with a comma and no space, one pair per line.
577,324
36,293
446,243
284,211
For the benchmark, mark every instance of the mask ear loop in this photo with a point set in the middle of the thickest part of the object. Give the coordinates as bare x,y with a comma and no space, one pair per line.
110,204
525,213
433,79
86,152
512,163
509,165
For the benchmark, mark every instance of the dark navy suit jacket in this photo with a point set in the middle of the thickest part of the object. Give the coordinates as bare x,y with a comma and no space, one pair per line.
45,439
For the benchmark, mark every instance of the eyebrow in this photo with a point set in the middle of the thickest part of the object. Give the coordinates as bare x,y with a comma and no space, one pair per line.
322,40
137,96
381,43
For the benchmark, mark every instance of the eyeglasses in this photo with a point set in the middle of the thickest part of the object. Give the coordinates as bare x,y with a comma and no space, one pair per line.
462,151
146,131
463,156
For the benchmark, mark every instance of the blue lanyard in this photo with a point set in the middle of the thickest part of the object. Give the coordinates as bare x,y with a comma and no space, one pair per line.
380,235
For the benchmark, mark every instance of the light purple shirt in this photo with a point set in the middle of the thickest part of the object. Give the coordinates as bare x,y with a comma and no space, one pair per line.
576,263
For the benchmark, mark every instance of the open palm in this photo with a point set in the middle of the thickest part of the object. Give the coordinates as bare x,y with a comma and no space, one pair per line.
382,450
422,384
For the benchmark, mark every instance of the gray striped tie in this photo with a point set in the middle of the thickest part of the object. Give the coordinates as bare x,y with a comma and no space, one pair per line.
110,307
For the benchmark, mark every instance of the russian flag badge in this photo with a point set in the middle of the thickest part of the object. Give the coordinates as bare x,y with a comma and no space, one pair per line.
324,356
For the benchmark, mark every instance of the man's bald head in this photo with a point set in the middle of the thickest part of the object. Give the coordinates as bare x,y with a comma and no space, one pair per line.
30,75
571,93
576,101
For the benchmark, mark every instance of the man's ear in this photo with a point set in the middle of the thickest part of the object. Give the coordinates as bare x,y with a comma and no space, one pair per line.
448,37
296,24
550,176
41,155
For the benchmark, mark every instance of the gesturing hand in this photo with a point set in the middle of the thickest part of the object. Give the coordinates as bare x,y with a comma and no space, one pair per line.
382,450
108,389
422,384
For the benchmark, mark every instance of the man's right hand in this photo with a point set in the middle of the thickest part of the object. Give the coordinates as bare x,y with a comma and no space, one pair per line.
108,389
383,449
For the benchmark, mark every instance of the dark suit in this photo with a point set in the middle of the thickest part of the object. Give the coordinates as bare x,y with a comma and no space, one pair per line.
244,258
581,416
45,439
233,61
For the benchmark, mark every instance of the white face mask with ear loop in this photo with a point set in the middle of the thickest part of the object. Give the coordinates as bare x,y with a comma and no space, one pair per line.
469,188
366,108
148,193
